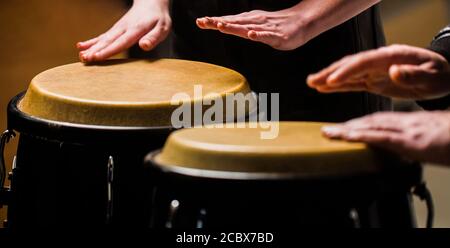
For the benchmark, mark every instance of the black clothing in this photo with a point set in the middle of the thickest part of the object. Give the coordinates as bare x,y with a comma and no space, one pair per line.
441,45
273,71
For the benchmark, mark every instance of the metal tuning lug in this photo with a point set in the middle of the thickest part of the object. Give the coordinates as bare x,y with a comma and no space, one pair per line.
4,192
174,206
109,185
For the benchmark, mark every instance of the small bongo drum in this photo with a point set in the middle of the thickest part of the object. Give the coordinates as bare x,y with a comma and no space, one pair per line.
84,132
229,177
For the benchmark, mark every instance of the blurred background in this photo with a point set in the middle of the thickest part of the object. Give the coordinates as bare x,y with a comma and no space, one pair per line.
36,35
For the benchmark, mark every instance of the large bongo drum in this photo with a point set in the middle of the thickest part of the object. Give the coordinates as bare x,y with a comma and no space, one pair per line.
230,178
84,132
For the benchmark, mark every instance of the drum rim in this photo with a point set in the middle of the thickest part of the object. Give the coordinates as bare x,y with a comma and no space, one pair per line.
13,110
21,122
240,176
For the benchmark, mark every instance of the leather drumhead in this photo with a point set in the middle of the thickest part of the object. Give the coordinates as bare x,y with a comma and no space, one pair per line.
299,148
124,92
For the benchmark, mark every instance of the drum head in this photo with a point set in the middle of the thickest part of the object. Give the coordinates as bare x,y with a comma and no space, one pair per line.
299,150
125,92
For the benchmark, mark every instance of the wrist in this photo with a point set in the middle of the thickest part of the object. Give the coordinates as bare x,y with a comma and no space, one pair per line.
305,23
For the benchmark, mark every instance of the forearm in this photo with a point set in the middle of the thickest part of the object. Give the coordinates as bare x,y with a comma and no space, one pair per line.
321,15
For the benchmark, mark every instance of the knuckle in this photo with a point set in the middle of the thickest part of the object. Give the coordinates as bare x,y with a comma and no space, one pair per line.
285,37
142,25
151,39
165,28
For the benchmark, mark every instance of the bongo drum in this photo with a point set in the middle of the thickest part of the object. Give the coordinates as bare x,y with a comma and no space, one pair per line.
229,178
84,132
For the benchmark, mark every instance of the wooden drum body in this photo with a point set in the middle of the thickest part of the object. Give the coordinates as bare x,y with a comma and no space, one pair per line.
230,178
84,132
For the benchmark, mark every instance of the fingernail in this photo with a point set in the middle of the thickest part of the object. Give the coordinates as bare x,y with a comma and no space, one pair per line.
310,79
146,45
83,56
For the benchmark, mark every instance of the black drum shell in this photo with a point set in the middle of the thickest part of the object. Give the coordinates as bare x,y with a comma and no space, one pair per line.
283,201
60,177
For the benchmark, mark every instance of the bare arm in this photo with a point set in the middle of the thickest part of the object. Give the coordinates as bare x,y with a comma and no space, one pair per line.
289,28
324,15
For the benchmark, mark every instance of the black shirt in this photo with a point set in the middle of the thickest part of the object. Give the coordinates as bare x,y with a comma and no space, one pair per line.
272,71
441,45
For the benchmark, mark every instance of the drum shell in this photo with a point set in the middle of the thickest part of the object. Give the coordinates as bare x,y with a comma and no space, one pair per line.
283,201
60,178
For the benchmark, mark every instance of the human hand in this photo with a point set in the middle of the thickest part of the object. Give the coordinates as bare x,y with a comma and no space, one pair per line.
420,136
282,30
147,22
396,71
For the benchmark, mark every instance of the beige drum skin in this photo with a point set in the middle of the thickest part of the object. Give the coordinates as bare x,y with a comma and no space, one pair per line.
299,149
124,92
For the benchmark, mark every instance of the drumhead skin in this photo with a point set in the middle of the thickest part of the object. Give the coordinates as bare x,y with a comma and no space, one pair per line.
299,150
124,92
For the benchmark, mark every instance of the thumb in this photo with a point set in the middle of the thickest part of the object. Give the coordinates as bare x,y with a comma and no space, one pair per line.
409,74
267,37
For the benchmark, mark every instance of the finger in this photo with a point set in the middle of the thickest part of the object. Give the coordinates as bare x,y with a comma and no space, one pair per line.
389,140
206,23
233,29
410,75
357,64
153,38
123,42
201,23
243,18
345,87
334,132
272,39
83,45
320,78
380,121
104,41
379,60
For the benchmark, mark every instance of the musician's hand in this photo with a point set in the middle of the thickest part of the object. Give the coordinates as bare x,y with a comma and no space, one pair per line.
421,136
396,71
283,30
147,22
